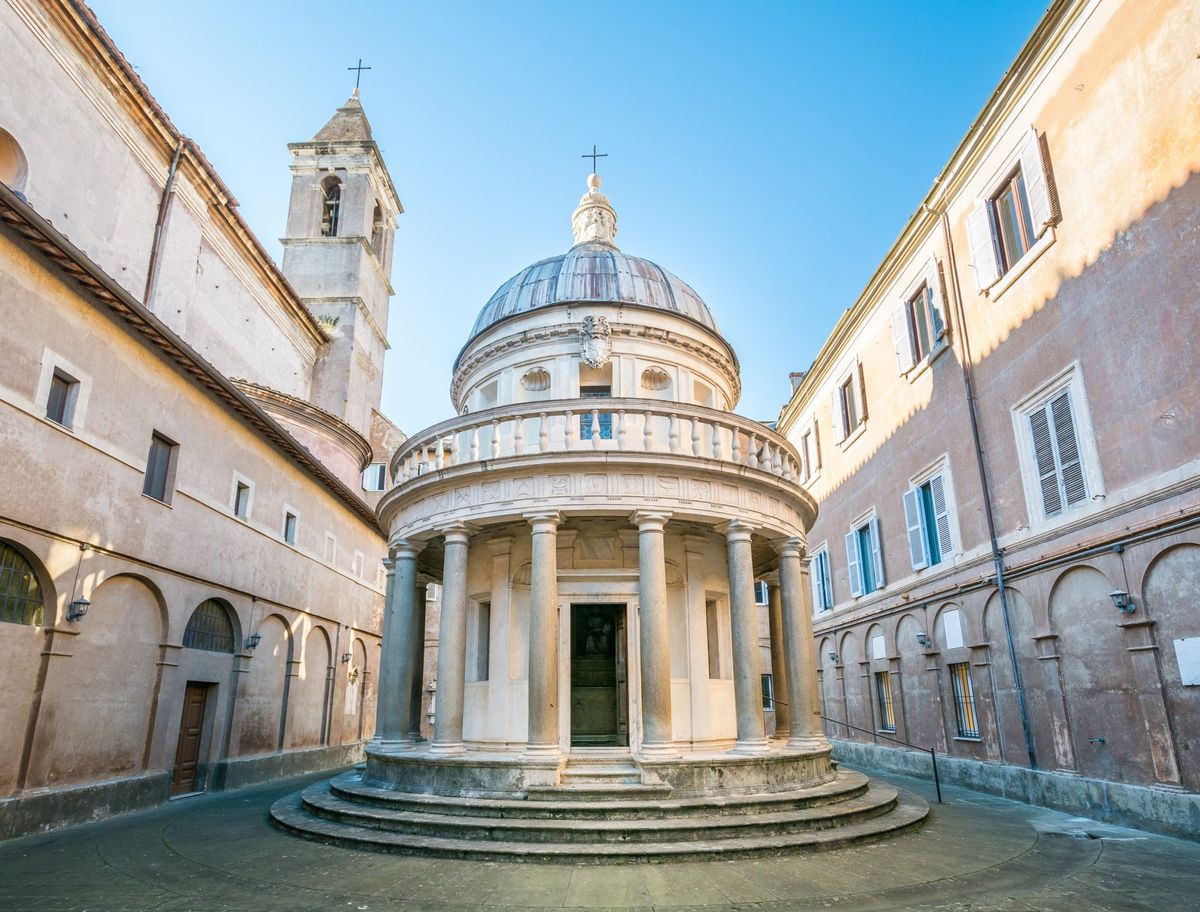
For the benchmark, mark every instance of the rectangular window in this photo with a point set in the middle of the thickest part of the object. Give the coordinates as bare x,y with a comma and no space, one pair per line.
330,548
1056,454
160,468
719,660
357,564
806,455
479,624
585,420
865,558
1014,226
927,519
289,528
821,581
925,323
849,406
375,477
241,500
760,592
768,693
60,405
883,695
964,700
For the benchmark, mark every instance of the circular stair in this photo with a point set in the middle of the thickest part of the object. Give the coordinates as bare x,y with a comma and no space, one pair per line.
600,822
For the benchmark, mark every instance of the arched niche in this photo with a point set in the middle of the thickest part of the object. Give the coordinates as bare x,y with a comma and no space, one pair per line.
308,699
14,168
258,728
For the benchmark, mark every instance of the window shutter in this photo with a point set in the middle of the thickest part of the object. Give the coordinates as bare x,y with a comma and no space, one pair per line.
854,567
983,247
816,445
933,278
1070,466
1043,454
913,524
839,419
814,580
1037,191
826,579
876,552
860,390
902,338
941,515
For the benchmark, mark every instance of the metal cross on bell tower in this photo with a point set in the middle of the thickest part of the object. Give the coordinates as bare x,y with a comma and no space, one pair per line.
358,72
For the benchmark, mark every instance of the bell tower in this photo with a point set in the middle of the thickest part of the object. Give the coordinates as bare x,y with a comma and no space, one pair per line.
337,254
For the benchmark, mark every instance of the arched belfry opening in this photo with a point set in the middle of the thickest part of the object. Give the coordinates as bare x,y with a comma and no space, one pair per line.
331,206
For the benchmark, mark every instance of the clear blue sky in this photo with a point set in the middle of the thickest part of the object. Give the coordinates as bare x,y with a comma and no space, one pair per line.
768,154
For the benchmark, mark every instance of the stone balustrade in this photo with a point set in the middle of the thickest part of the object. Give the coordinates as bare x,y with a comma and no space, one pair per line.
630,426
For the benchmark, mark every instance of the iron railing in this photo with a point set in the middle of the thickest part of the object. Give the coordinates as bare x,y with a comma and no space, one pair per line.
937,782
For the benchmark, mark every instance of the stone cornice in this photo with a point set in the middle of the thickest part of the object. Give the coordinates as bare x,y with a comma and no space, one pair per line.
303,412
103,292
725,363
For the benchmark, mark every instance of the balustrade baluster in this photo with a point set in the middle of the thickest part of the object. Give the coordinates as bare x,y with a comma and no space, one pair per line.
475,443
716,440
737,445
544,433
752,451
695,435
622,431
519,436
648,433
454,448
673,434
495,437
595,429
777,460
569,431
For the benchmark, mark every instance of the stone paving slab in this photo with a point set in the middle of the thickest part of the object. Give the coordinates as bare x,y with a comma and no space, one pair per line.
219,853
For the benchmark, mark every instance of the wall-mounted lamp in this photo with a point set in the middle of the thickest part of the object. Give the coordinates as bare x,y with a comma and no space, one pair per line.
346,657
255,639
833,657
77,609
1123,602
923,640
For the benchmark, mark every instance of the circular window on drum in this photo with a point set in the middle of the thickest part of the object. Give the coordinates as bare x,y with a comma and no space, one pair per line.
655,378
536,380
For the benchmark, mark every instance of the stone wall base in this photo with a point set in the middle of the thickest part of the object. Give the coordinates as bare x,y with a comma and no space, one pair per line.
41,810
1158,810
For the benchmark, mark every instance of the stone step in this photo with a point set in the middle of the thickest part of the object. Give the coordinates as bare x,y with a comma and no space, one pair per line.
909,812
607,802
319,802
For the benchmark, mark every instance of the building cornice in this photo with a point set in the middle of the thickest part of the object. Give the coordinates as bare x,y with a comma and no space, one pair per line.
304,412
81,27
1047,38
107,295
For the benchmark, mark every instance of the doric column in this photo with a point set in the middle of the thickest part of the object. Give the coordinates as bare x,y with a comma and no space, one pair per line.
800,649
452,645
654,636
542,738
416,635
391,703
783,708
747,684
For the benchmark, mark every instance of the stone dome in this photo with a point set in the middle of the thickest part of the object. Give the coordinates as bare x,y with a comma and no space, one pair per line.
595,272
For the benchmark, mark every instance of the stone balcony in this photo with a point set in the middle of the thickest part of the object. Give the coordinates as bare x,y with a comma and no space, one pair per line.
596,456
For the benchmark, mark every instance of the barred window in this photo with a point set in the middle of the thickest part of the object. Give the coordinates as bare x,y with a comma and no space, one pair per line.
209,628
883,693
964,700
20,594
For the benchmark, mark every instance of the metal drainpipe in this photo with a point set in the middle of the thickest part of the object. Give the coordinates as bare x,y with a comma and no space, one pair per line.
156,245
997,554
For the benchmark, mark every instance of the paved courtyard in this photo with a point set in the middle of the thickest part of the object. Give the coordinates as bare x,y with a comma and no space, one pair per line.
217,853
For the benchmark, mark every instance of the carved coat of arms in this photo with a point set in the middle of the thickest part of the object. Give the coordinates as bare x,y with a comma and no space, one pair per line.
595,341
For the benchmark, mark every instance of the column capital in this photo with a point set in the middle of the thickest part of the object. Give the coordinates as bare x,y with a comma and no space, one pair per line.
736,530
649,520
402,548
543,520
791,547
457,532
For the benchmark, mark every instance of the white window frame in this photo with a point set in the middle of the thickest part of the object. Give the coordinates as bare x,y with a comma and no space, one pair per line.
1026,152
821,579
78,402
762,594
809,471
371,469
1069,378
940,466
903,332
289,510
239,478
870,519
358,565
329,554
852,374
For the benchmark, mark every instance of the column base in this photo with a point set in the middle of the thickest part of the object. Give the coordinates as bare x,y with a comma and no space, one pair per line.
390,744
756,746
542,751
809,743
665,750
447,748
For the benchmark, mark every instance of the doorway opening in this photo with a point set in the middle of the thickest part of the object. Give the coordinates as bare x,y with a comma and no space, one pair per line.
599,683
187,776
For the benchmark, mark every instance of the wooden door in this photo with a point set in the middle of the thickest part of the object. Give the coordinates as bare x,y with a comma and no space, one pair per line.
622,681
191,729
